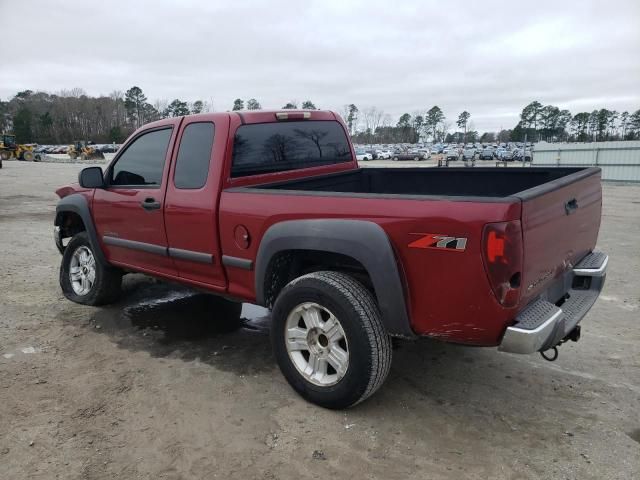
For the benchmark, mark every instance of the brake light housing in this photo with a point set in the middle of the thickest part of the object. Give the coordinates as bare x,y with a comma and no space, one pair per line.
502,257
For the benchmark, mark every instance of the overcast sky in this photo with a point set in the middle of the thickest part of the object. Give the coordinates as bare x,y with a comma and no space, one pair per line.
489,57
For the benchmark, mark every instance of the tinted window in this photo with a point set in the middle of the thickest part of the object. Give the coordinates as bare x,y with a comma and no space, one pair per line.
274,147
192,165
142,162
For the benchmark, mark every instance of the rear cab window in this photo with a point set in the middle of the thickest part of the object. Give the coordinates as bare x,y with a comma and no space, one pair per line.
194,156
276,147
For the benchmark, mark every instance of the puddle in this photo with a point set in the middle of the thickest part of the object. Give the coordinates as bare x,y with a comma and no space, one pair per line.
173,321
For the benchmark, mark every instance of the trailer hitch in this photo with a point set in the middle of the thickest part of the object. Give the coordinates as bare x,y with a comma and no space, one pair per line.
573,335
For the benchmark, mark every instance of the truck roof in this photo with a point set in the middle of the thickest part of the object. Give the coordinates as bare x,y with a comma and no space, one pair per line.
254,116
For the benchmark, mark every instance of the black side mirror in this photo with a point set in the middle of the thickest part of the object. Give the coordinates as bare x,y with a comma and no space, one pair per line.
91,177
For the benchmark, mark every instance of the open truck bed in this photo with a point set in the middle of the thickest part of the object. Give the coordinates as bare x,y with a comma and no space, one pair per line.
460,183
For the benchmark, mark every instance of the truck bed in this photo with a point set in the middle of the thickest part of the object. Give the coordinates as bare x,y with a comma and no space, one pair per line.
462,183
557,211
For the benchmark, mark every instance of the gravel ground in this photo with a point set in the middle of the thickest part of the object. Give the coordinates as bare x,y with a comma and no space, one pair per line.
148,388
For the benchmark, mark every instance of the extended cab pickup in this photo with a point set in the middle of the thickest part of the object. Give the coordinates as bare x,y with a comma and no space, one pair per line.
271,208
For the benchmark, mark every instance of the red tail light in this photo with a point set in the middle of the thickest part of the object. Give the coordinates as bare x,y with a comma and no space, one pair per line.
502,254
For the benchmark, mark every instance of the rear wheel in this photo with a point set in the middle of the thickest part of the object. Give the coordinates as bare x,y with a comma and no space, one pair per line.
4,155
329,340
85,280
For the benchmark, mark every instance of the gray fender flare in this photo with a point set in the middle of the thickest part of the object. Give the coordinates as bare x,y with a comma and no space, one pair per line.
361,240
77,203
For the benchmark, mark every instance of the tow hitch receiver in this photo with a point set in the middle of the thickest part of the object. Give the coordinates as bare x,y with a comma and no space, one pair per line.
573,335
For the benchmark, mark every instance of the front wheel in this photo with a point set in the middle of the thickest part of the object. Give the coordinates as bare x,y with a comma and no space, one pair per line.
83,278
329,340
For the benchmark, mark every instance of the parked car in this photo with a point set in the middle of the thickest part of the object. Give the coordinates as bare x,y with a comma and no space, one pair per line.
469,154
373,153
519,155
499,153
425,152
363,155
407,156
339,253
486,154
507,156
451,154
109,148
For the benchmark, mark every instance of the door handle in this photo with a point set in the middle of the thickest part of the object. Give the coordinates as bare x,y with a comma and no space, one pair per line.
571,206
150,203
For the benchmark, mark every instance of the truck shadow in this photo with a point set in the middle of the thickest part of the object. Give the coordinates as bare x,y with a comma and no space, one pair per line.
169,320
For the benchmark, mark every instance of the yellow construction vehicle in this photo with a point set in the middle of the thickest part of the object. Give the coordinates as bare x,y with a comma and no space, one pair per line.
9,148
84,151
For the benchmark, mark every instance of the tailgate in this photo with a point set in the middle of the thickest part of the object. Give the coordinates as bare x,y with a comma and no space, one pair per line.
560,223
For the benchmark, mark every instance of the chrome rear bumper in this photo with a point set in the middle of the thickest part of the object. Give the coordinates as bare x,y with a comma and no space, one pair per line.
543,324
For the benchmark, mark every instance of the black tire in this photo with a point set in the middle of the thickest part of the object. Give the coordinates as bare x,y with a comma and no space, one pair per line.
108,280
4,155
369,346
27,156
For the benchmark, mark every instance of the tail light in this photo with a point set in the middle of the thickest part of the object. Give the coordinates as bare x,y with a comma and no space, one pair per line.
502,254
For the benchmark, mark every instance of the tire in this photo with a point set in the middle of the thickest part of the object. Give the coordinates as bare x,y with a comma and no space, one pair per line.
27,156
363,341
395,159
416,159
105,287
4,155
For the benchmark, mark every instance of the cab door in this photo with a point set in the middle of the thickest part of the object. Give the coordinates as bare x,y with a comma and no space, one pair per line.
128,212
193,194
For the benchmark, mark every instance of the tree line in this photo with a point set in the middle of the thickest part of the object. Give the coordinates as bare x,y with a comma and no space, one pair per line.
69,115
537,123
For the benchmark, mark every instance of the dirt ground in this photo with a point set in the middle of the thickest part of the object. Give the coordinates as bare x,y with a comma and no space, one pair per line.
149,389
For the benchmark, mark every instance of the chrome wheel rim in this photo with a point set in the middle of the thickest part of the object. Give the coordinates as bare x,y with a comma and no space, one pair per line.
317,344
82,271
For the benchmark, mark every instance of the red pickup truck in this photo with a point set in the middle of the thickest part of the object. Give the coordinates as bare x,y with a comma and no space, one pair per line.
270,207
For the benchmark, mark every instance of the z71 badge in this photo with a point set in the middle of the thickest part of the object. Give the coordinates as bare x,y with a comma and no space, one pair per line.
440,242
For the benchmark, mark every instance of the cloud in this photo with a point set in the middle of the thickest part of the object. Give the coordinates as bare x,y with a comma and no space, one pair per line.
490,58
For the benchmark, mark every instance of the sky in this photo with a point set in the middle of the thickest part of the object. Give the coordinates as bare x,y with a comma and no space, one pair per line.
490,58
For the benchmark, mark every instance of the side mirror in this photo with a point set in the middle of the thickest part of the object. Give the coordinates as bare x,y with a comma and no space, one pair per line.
91,177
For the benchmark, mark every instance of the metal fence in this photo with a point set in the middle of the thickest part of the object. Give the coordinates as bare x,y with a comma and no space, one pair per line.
620,161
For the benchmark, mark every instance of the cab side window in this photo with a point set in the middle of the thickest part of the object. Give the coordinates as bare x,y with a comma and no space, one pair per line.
142,163
194,156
